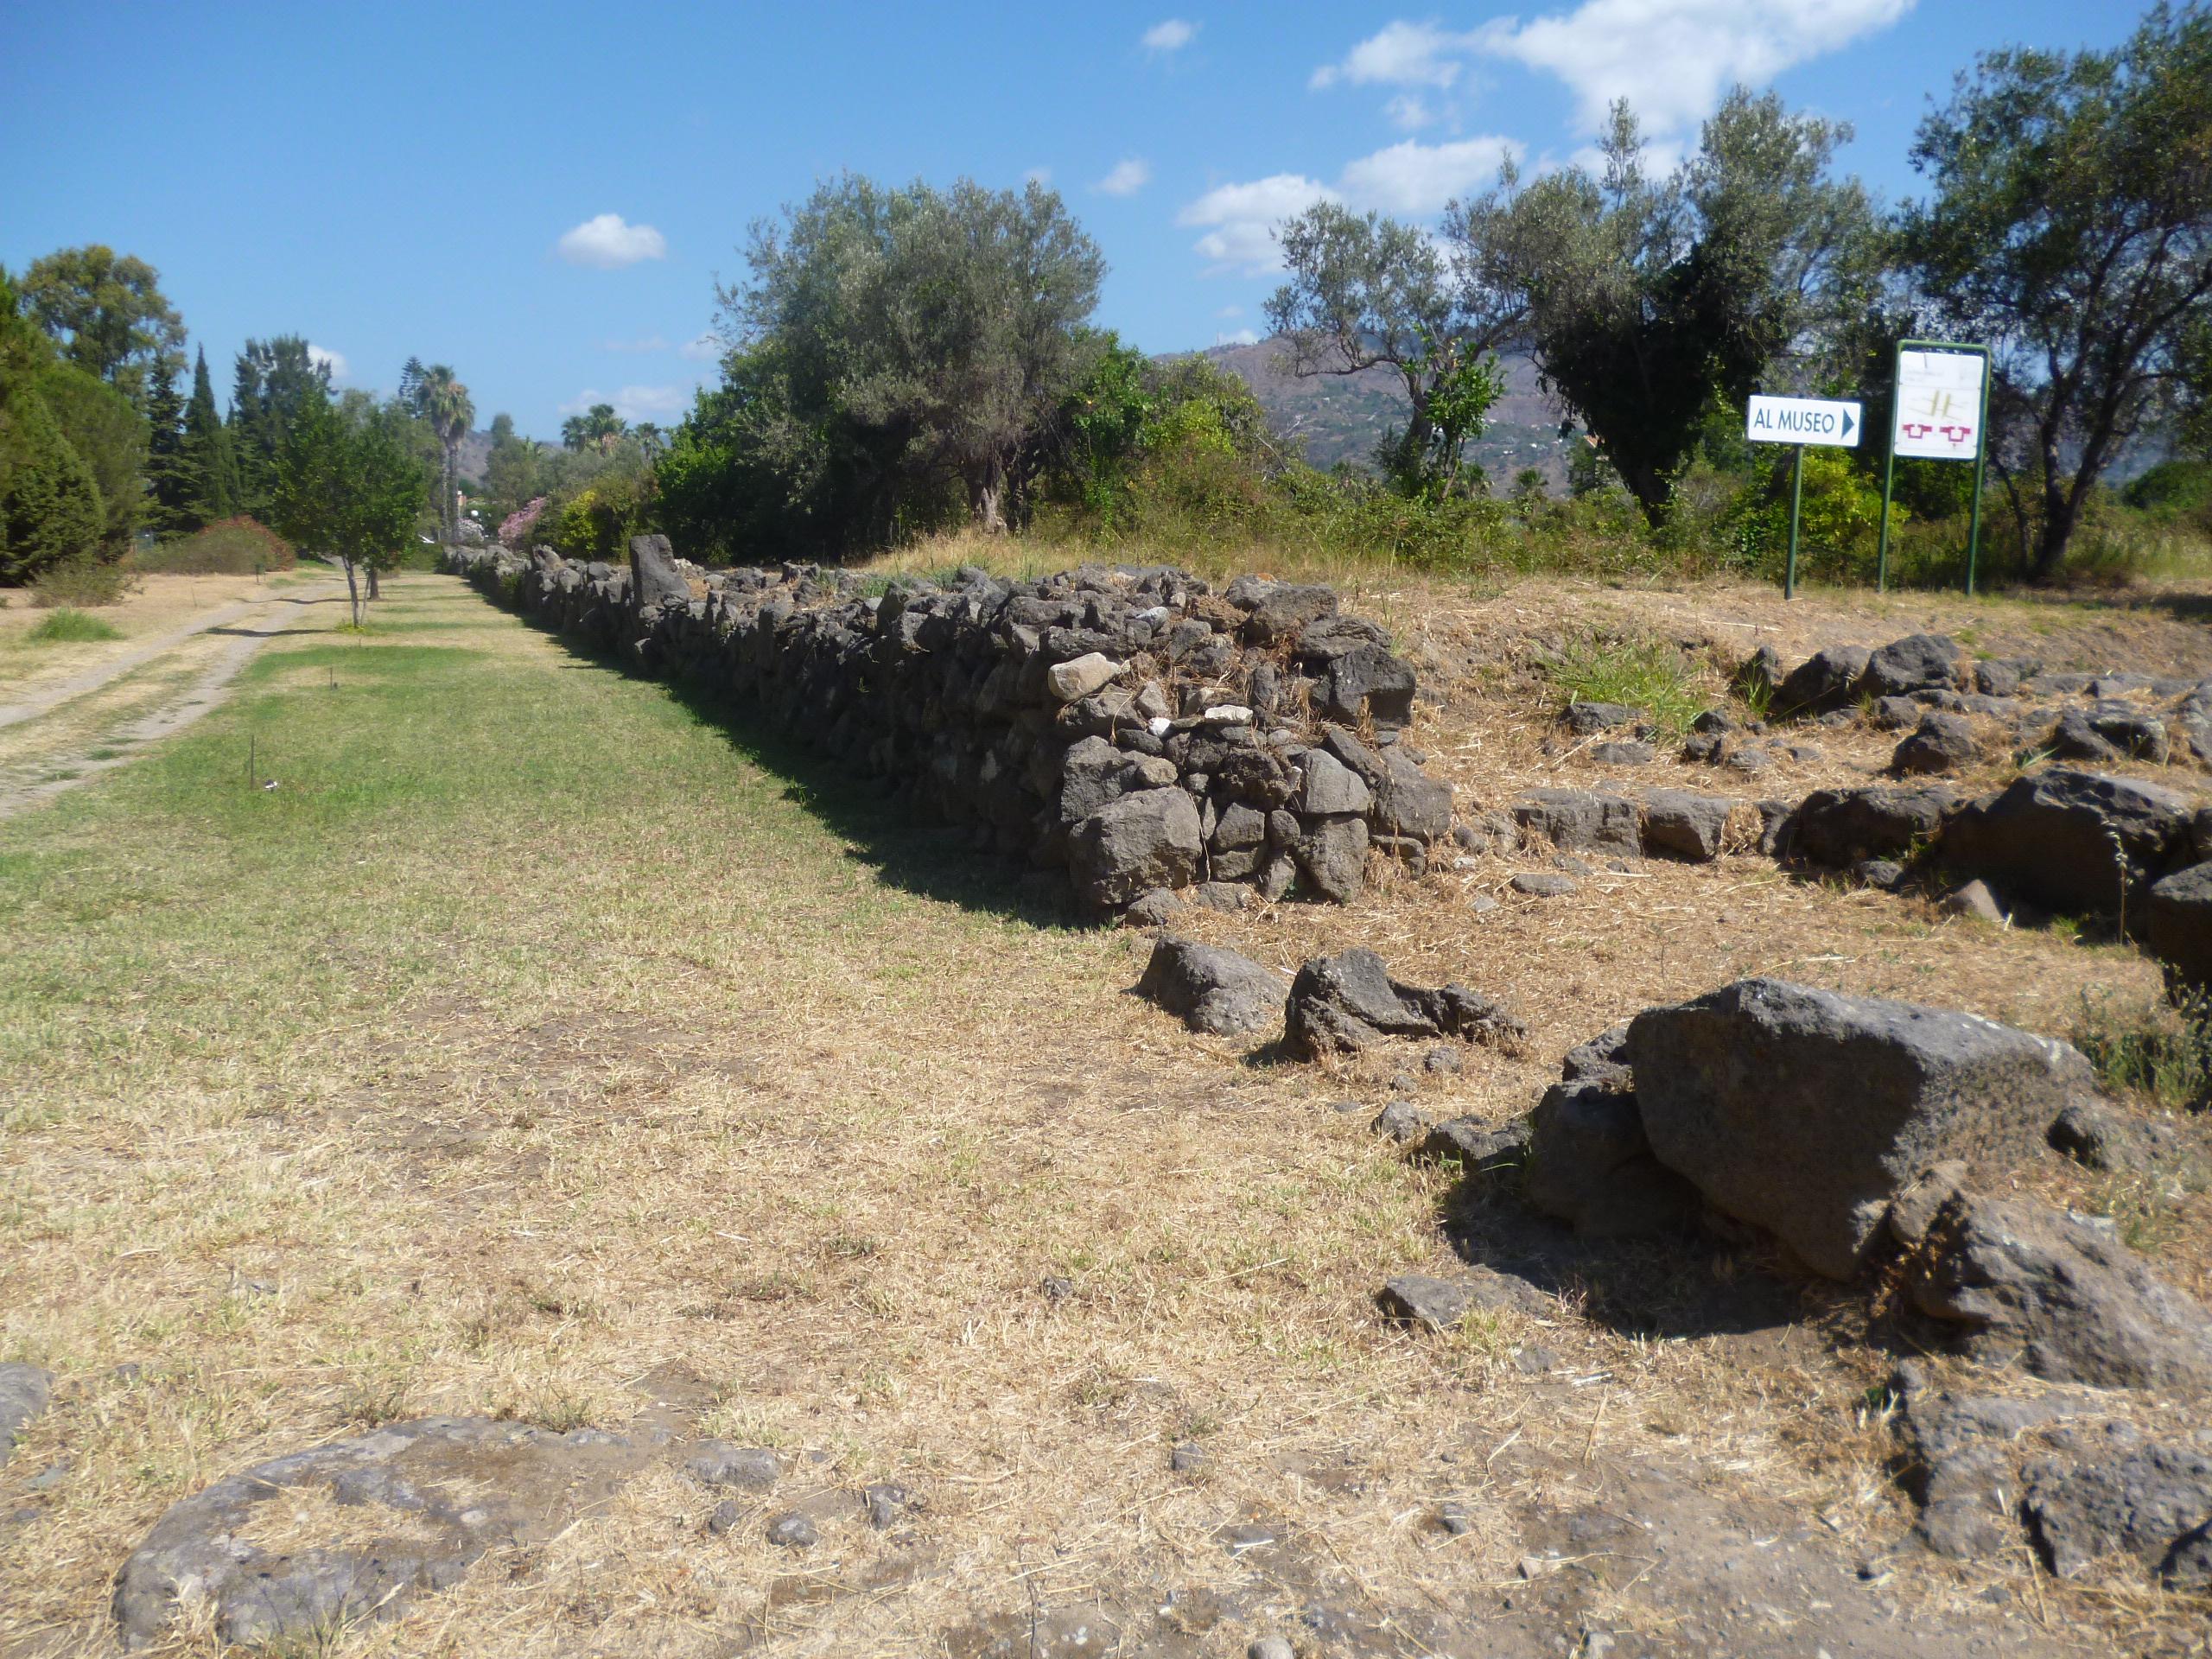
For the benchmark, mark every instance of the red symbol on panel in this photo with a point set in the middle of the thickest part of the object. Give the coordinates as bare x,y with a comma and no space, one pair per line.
1957,433
1917,429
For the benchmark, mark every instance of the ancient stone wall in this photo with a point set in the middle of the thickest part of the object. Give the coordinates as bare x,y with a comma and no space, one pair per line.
1128,726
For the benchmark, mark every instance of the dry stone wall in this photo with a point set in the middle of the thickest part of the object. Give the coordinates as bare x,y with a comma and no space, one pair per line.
1127,726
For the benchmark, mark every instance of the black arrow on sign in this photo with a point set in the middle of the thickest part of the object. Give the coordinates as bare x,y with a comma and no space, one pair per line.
1847,423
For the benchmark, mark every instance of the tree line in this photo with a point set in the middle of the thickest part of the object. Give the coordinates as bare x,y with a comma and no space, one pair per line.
99,449
900,360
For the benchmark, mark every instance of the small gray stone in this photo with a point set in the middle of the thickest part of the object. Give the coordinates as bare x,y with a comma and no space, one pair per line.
1401,1122
1624,754
886,1503
1940,743
717,1463
1331,786
1417,1298
24,1392
726,1516
1537,884
1976,901
1186,1459
793,1530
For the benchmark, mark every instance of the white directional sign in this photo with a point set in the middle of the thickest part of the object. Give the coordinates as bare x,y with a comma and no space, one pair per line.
1803,420
1939,404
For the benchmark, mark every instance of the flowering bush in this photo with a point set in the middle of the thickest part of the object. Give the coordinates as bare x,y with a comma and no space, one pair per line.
515,528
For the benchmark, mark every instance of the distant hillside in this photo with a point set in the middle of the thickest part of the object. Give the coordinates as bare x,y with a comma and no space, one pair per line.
1333,418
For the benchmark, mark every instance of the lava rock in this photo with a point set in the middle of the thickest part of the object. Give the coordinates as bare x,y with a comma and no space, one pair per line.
1624,754
1345,1003
1587,719
454,1488
654,579
1940,743
793,1530
2071,841
1918,662
1417,1298
1837,828
1535,884
2109,1491
1589,1164
717,1463
1827,680
1875,1091
1332,852
25,1391
2179,933
1581,821
1686,825
1976,901
1211,988
1129,847
2062,1296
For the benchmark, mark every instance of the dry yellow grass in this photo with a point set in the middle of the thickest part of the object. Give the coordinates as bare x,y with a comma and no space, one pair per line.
536,1051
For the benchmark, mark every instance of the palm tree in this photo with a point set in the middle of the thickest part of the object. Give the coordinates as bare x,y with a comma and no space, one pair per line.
445,403
649,437
598,427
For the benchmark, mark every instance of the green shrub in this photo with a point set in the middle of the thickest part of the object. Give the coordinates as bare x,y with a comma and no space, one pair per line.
84,580
232,547
71,627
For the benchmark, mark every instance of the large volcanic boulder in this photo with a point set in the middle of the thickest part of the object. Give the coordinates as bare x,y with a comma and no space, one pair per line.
1806,1112
2070,841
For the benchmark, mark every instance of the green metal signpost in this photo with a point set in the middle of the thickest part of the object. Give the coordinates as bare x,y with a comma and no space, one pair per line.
1939,411
1798,421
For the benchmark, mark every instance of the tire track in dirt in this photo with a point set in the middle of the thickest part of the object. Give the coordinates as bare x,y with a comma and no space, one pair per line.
205,692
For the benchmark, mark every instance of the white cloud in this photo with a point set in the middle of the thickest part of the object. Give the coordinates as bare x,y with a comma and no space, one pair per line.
707,348
606,242
1127,179
658,403
1410,180
1673,60
1243,217
1400,54
1037,175
1230,313
1242,337
649,343
1409,112
334,361
1414,179
1171,36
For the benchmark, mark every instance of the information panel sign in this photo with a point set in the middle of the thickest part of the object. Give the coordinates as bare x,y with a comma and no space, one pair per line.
1939,404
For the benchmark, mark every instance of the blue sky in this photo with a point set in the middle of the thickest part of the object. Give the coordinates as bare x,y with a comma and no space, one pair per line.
544,195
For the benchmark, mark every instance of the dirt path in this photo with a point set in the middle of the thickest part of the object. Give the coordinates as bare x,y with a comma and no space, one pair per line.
93,722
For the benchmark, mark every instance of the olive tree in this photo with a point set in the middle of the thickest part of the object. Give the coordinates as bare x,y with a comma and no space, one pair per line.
1365,291
935,331
2068,226
1648,300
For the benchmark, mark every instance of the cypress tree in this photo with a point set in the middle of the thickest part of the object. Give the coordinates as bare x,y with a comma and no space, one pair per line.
165,478
208,475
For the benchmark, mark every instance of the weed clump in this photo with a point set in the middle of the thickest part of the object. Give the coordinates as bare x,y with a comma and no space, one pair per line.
1641,673
2163,1054
71,626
